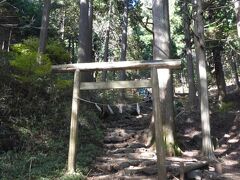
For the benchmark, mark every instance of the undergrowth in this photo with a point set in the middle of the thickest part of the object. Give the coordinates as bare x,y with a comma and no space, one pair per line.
34,123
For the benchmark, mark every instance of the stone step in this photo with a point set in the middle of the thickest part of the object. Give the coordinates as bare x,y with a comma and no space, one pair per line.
112,167
132,170
115,139
111,160
117,177
120,151
116,145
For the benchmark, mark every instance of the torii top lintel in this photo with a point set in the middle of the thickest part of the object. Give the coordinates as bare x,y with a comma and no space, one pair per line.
98,66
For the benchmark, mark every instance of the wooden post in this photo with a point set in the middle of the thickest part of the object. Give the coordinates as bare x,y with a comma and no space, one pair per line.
181,171
72,153
158,121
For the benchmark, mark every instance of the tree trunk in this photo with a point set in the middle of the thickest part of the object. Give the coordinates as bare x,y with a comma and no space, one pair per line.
237,10
90,32
207,148
73,50
188,46
124,37
219,74
124,45
9,39
1,38
158,124
161,50
85,33
83,56
44,30
106,43
235,70
62,22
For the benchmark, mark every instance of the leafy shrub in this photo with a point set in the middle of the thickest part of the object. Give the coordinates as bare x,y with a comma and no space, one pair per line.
29,68
24,60
63,84
56,52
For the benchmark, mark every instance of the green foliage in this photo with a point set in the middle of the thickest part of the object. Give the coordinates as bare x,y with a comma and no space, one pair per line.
226,106
40,122
63,84
55,50
29,14
57,53
24,60
30,69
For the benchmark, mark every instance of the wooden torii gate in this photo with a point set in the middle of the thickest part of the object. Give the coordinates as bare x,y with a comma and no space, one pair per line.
100,66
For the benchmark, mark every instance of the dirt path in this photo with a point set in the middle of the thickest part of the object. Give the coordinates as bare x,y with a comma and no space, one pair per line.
229,150
126,156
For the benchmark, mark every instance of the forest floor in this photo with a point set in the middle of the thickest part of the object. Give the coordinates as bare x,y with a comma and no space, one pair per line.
126,156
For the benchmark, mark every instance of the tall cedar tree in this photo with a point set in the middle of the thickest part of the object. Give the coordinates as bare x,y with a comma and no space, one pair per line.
188,48
207,148
161,51
85,38
106,42
83,56
124,37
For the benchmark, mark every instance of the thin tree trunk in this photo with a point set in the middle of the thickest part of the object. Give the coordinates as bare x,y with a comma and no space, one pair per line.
62,22
69,44
2,45
191,82
9,40
2,38
124,37
235,70
161,50
124,45
207,148
90,20
73,49
44,30
237,10
219,74
106,43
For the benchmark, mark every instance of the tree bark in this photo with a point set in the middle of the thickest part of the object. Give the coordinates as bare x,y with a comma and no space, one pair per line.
124,37
9,39
44,30
161,50
90,32
235,70
191,82
207,148
219,74
83,56
73,50
237,10
158,124
62,22
106,43
85,45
